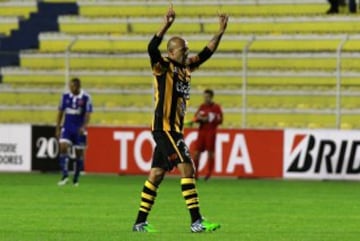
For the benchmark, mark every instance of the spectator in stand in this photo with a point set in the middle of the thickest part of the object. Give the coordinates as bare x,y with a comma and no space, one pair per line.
334,6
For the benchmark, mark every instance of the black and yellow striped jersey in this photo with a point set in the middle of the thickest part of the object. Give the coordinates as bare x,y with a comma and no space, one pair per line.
171,87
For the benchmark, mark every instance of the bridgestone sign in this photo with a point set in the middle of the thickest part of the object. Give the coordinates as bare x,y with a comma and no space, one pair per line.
322,154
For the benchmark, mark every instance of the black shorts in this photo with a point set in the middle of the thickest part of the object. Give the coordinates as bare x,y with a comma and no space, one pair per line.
170,150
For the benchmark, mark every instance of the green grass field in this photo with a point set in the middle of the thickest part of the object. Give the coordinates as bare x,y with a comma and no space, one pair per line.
33,208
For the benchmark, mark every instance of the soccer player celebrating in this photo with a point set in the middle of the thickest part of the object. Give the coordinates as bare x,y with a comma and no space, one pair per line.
209,116
172,90
77,107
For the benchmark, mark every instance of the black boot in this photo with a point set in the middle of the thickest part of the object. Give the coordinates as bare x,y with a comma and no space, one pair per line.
334,7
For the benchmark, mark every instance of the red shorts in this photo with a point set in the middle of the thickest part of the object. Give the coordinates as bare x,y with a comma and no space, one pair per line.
206,141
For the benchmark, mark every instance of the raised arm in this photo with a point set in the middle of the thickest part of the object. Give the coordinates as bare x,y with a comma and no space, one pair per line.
214,42
211,47
169,19
153,47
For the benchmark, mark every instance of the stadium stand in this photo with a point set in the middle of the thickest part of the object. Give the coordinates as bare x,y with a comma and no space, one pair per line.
194,25
291,65
7,24
19,9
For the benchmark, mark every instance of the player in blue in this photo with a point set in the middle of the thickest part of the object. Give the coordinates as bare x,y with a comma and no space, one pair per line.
77,107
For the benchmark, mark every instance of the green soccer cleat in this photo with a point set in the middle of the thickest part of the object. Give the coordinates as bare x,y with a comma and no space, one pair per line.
144,227
201,225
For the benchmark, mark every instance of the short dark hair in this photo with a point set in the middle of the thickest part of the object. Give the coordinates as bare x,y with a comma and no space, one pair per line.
76,81
209,92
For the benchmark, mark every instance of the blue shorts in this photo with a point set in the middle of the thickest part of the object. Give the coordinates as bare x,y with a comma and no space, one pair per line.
73,138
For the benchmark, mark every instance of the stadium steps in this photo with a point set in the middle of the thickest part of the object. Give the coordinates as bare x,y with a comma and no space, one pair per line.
122,36
57,42
231,119
26,36
15,8
192,8
7,24
201,78
139,100
188,25
221,62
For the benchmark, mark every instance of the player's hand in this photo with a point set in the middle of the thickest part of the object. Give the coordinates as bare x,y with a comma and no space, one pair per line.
223,20
202,118
57,133
169,18
82,130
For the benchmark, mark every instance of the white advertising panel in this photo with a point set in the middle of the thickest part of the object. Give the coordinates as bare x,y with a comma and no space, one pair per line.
15,148
321,154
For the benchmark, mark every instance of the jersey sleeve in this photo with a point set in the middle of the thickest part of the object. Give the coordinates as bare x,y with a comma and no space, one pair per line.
158,64
89,105
195,61
62,106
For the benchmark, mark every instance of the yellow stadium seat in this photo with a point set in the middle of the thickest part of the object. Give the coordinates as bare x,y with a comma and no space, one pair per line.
121,10
90,28
299,27
218,80
60,1
105,44
199,25
150,28
7,26
89,80
290,120
119,26
21,10
295,45
111,62
125,46
231,119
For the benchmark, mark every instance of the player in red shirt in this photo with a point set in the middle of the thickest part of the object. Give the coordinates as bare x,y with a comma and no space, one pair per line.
209,116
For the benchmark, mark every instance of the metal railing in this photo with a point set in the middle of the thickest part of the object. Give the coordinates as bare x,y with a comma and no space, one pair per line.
338,75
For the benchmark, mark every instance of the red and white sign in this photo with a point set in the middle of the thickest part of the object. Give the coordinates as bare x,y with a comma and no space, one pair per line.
322,154
249,153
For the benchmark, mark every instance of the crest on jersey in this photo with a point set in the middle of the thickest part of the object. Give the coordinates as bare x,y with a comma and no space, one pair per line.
80,102
183,87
